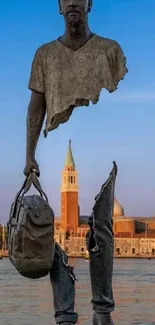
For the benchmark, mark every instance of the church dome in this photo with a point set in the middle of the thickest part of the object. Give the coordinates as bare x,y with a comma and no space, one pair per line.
118,209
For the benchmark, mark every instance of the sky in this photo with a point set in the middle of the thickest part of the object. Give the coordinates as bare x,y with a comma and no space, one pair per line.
120,127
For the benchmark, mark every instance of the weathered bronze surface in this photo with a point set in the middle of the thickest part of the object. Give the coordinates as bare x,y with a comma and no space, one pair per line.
69,72
66,73
100,243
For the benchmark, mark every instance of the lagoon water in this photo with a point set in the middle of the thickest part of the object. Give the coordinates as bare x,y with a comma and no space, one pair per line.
29,302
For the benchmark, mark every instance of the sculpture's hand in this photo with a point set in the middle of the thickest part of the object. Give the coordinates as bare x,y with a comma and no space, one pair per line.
30,165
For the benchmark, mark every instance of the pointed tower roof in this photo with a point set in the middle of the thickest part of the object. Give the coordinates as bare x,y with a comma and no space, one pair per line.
69,162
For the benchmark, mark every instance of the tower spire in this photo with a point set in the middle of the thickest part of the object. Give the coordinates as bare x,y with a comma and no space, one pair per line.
69,162
69,194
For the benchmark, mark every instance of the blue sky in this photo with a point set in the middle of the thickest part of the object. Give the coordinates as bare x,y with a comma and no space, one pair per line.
120,127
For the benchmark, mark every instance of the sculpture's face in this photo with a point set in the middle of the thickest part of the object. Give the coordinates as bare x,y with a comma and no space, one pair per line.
75,11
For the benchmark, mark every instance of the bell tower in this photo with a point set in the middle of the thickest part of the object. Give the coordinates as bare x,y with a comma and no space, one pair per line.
69,194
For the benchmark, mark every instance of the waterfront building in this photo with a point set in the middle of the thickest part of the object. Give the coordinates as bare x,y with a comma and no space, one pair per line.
133,237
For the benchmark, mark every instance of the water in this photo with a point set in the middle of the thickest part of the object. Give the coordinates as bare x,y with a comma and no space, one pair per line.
29,302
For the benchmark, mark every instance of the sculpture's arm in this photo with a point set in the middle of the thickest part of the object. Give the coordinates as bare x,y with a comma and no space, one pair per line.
35,118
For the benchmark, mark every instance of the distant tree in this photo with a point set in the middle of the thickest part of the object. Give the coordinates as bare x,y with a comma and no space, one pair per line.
1,236
6,237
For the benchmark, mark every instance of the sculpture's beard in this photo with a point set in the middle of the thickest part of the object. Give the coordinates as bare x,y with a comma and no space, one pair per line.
74,21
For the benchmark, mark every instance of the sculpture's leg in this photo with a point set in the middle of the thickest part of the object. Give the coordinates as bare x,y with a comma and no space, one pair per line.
101,247
63,285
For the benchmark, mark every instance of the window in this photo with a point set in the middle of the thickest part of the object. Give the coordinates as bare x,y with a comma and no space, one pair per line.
133,250
118,250
82,249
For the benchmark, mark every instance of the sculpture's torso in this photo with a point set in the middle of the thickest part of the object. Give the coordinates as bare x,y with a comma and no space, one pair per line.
71,78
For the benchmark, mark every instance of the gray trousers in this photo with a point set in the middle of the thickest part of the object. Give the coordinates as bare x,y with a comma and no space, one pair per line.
101,267
100,244
63,284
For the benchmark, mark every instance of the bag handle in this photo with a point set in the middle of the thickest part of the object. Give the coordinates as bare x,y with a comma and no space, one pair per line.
26,182
26,186
31,179
36,184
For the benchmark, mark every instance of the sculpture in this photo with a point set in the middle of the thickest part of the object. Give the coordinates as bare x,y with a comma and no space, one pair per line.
100,243
67,73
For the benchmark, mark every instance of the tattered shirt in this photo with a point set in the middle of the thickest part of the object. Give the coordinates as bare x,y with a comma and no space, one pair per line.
70,78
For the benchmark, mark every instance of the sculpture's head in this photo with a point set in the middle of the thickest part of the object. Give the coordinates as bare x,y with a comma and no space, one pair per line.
75,11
